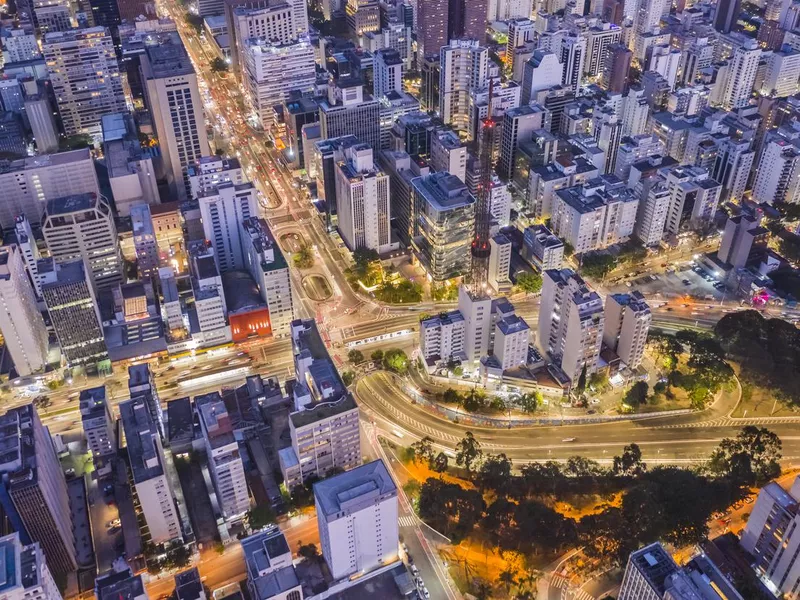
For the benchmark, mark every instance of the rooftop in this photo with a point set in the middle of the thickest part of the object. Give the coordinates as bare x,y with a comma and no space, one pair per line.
168,57
323,410
354,489
121,585
180,418
188,585
512,324
655,565
140,436
70,204
241,292
443,191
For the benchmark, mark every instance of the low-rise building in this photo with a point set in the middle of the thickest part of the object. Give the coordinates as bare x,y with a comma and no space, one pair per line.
441,338
270,572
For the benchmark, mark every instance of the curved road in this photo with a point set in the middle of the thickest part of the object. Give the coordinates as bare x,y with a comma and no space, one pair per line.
673,439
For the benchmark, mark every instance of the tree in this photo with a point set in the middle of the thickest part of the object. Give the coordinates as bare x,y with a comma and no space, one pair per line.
753,457
597,266
451,396
74,142
348,377
468,452
304,258
666,347
423,450
355,357
581,387
495,473
377,355
581,467
528,402
474,401
308,551
630,463
449,508
636,394
260,516
440,463
530,283
507,579
218,65
395,360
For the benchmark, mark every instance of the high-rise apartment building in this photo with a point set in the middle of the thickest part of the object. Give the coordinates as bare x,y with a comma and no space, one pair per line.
627,321
324,429
29,250
82,226
24,332
464,68
511,341
448,153
28,183
573,59
726,14
84,74
357,516
783,73
444,224
772,537
651,217
363,16
432,30
27,575
272,71
19,45
142,384
33,491
150,483
223,209
600,39
542,71
70,299
741,75
518,127
570,322
694,197
441,338
224,457
144,241
98,424
349,111
363,202
387,72
39,112
176,107
268,268
778,175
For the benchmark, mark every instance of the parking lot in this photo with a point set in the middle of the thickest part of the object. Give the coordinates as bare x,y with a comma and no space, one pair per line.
682,280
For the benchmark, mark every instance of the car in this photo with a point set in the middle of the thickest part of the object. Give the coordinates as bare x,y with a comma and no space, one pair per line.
629,284
569,439
687,282
748,500
414,570
426,593
591,411
594,401
113,523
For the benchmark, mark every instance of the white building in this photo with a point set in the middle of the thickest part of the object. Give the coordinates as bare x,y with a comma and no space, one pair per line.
84,74
224,457
387,72
499,262
29,250
363,203
511,340
464,67
691,183
504,10
448,153
29,183
268,268
570,322
273,70
441,338
324,429
541,248
223,209
21,323
600,213
39,112
477,312
651,218
19,45
27,576
778,174
665,60
741,75
176,107
627,321
209,300
82,226
357,518
151,484
98,425
211,171
783,73
541,72
772,537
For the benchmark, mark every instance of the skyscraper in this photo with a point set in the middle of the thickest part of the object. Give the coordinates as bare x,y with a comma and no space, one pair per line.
98,425
741,75
224,457
33,491
616,67
85,76
725,15
570,322
27,574
464,67
362,199
82,226
573,56
176,107
71,303
432,26
223,209
21,323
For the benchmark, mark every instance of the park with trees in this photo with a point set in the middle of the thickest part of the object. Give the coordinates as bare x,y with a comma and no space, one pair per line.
528,516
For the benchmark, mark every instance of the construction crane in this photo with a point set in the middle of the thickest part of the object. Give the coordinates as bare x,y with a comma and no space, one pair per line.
480,241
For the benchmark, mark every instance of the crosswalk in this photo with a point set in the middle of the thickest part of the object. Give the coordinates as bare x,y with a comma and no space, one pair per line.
732,422
567,593
406,521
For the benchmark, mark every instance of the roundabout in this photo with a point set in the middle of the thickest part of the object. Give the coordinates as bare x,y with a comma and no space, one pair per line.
677,439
